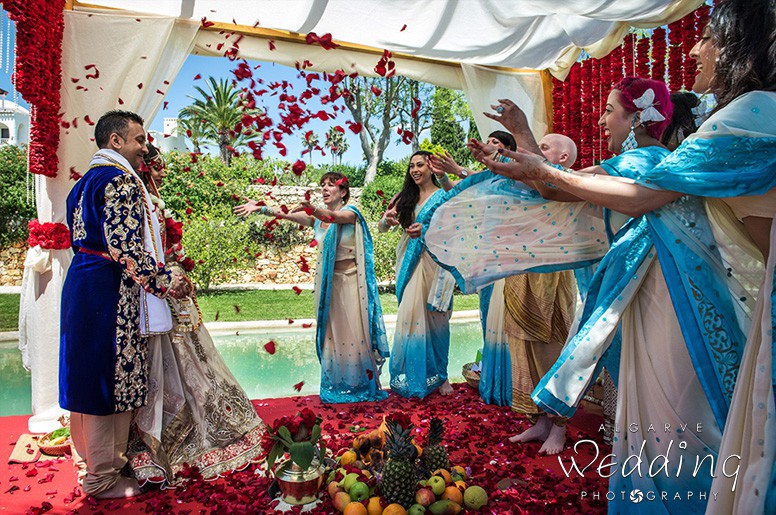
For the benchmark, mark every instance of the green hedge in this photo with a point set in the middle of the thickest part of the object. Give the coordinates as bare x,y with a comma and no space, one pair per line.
15,209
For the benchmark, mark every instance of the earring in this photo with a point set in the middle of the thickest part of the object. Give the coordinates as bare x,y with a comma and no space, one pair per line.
630,142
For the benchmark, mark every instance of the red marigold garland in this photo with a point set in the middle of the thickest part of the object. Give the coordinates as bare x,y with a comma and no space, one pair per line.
675,57
642,58
628,62
50,236
689,39
38,77
659,54
586,100
558,113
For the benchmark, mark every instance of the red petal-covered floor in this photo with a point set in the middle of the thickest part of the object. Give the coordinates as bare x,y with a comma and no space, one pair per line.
476,436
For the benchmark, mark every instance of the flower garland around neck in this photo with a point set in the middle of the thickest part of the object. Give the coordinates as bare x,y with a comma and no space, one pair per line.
38,75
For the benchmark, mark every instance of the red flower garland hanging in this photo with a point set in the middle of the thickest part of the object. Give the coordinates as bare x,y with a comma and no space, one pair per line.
642,58
50,236
558,111
38,77
659,54
586,122
689,39
675,58
627,55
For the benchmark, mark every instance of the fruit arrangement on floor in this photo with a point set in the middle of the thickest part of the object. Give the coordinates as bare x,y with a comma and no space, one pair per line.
386,473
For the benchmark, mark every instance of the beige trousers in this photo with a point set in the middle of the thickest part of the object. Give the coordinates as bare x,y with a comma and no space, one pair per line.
101,441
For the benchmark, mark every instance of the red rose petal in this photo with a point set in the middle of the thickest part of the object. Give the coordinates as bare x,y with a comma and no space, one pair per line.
270,347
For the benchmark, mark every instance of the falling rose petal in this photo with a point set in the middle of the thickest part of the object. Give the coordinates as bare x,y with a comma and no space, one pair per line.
290,321
74,175
370,374
270,347
415,110
309,211
313,243
403,27
298,386
271,43
355,127
140,85
217,314
88,120
236,309
376,91
189,210
307,325
380,193
297,290
342,181
121,101
308,195
197,76
298,167
206,24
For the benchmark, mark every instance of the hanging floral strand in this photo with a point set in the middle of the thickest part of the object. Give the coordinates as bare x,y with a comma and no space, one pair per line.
659,54
642,58
38,75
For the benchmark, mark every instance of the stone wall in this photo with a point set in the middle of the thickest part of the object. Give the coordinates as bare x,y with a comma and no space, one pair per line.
12,264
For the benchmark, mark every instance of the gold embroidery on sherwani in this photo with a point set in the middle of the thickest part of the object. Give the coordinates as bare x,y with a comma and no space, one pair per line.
79,228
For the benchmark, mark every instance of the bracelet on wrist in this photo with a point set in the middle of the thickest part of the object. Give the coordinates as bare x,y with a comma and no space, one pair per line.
443,177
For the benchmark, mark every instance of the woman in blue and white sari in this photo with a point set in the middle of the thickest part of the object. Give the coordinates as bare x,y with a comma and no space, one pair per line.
424,290
677,361
350,334
733,157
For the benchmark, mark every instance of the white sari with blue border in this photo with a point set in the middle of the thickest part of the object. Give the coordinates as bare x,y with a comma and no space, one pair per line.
367,318
734,154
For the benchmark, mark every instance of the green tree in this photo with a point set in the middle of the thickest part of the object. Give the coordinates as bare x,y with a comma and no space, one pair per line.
416,108
16,209
310,140
218,111
337,145
448,110
192,127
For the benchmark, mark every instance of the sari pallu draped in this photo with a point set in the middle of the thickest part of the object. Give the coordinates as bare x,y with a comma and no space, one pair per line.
338,383
496,367
669,251
489,227
734,154
421,343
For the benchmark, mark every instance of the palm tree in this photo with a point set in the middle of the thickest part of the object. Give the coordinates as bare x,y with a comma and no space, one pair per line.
309,142
216,113
191,127
337,144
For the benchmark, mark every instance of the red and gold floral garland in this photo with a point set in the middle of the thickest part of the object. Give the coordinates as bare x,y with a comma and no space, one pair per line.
50,236
39,28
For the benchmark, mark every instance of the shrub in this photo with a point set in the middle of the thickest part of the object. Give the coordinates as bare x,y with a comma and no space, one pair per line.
372,204
220,244
15,209
385,252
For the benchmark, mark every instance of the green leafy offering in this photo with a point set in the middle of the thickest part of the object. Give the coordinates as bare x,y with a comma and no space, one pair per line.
62,431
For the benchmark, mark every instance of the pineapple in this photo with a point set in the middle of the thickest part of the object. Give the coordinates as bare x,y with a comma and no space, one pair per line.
434,455
399,481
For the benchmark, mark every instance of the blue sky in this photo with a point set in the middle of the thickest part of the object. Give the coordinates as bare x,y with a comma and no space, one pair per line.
183,86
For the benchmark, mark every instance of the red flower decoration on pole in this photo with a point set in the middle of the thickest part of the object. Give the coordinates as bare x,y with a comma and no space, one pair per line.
50,236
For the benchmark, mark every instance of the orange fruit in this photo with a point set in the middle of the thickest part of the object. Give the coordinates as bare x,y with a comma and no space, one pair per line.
374,507
452,493
355,508
445,474
460,470
394,509
348,458
461,485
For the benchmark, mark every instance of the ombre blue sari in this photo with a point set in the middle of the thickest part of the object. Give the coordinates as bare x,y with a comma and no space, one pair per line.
355,375
419,356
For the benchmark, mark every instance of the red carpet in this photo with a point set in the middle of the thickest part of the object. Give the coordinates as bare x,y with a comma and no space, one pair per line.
475,436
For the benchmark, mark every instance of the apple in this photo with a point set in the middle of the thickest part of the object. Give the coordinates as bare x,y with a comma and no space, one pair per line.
416,509
437,484
333,488
349,481
359,491
425,496
341,500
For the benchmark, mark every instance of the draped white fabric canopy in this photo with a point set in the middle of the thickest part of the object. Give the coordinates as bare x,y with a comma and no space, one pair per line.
488,48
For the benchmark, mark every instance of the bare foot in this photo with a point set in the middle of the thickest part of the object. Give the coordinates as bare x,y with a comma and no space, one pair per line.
445,388
538,431
555,441
124,487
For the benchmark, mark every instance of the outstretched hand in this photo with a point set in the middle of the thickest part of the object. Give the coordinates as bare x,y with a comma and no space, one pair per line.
305,206
524,165
480,150
442,164
391,217
510,116
414,230
251,206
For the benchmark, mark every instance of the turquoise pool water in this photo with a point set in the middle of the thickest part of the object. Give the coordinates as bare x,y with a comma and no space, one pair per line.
261,375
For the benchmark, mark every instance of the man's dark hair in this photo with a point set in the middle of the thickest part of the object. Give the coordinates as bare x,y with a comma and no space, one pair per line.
114,121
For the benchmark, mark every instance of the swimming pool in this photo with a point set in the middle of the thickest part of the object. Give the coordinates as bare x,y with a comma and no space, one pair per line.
260,374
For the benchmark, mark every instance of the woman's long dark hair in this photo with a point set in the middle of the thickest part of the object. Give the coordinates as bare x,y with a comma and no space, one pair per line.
682,119
744,31
410,193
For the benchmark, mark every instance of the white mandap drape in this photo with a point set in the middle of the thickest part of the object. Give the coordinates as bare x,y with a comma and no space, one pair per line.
145,42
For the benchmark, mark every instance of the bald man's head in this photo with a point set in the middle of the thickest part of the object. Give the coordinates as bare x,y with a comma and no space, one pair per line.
559,149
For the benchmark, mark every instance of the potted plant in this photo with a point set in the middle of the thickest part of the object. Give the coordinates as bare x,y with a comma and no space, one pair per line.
298,437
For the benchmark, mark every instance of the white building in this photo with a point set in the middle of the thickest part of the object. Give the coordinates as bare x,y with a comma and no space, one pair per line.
14,122
169,139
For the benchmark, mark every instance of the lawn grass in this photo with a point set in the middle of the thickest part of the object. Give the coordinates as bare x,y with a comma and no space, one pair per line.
251,305
9,312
